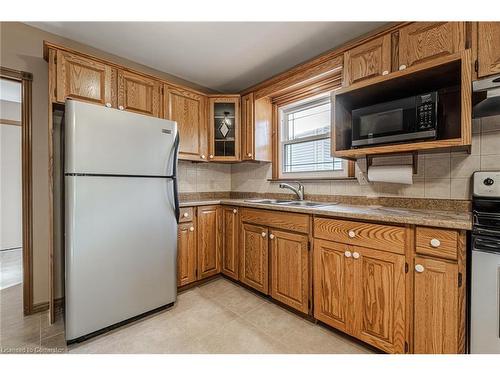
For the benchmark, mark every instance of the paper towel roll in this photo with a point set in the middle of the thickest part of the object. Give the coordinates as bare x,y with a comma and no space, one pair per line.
395,174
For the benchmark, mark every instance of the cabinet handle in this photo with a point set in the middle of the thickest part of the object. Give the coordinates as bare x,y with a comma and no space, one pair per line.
263,234
235,211
385,72
185,214
352,234
347,254
355,255
121,108
271,236
435,242
402,67
249,155
419,268
191,229
210,156
203,157
108,105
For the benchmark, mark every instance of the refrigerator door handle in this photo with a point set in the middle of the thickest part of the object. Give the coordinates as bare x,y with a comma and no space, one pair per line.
174,178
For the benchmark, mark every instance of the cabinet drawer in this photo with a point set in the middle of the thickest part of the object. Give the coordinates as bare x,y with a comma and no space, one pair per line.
441,243
276,219
376,236
186,214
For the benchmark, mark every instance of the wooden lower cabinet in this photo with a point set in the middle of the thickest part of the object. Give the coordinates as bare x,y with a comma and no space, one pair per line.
254,269
209,241
361,291
230,229
186,254
290,269
436,307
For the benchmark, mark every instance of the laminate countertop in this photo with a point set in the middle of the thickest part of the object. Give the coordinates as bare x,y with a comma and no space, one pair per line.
432,218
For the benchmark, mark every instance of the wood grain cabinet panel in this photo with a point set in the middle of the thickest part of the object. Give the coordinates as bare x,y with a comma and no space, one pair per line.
379,298
209,241
333,280
188,109
247,127
290,269
230,231
139,94
370,59
186,254
422,41
436,307
488,51
441,243
85,79
254,257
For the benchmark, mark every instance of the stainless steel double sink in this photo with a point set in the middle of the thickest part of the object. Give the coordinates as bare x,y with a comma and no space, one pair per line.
287,202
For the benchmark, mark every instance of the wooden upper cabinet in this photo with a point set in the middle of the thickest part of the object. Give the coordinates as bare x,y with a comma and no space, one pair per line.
224,128
436,307
230,247
247,127
379,291
488,48
209,241
290,269
368,60
140,94
85,79
333,280
189,110
422,41
254,257
186,254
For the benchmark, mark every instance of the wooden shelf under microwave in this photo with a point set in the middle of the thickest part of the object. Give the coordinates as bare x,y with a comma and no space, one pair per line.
449,75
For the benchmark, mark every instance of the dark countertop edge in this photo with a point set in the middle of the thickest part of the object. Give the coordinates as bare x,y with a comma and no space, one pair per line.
373,216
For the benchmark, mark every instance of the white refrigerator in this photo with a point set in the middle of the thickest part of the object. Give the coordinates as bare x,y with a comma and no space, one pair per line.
121,213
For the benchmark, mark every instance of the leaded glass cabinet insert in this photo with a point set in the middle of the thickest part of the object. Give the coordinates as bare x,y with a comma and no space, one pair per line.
224,120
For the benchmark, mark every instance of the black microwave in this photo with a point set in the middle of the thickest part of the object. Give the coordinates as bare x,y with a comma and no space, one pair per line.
399,120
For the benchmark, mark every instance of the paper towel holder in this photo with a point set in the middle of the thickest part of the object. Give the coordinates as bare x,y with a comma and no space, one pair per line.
369,160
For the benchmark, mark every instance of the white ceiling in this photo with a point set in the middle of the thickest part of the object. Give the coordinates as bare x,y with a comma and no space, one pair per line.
226,57
10,90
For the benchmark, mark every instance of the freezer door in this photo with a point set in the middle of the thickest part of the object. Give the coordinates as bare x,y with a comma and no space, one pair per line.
100,140
121,250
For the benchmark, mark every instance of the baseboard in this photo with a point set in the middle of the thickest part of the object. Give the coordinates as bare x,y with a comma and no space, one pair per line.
44,306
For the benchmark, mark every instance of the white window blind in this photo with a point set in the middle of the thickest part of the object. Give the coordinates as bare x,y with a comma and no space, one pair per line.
306,138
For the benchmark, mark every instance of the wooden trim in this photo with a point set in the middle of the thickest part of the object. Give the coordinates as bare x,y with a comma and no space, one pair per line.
329,55
10,122
25,79
348,178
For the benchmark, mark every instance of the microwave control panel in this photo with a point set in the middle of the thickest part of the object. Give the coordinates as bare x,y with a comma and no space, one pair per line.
426,111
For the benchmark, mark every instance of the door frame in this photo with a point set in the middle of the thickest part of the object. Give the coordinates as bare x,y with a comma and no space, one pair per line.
26,80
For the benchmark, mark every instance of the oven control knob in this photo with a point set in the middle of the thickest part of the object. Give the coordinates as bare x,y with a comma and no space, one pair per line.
488,181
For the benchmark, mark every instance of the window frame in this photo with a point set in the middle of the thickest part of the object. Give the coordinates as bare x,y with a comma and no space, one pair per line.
283,112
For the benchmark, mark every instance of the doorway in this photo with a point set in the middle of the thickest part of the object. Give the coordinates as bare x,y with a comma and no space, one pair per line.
15,190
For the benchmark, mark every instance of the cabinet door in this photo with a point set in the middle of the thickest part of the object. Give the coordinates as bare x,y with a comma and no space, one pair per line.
422,41
224,129
436,308
290,269
247,128
333,283
230,228
379,309
368,60
209,242
140,94
488,51
186,254
254,257
188,109
84,79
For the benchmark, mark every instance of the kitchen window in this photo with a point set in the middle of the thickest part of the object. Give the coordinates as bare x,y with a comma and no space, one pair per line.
305,141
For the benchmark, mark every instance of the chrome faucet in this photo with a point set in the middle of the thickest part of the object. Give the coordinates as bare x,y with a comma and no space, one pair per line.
299,190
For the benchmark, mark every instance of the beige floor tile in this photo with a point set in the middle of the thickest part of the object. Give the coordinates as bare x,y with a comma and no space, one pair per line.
239,300
55,344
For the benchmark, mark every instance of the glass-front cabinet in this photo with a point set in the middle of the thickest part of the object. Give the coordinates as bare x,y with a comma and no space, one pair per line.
224,128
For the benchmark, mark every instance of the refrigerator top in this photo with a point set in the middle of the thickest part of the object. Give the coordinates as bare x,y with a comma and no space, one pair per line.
101,140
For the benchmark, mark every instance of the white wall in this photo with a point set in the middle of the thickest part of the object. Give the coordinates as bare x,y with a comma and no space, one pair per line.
10,187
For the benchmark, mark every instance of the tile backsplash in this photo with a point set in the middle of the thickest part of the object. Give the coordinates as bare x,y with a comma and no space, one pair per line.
440,175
